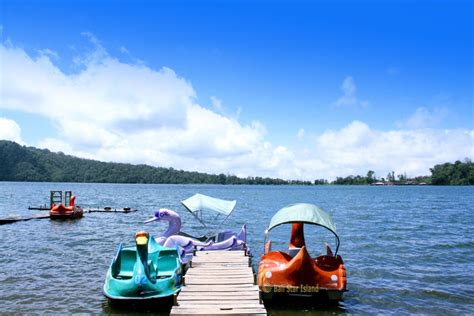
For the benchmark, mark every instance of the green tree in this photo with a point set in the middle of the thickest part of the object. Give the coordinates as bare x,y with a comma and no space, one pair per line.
371,177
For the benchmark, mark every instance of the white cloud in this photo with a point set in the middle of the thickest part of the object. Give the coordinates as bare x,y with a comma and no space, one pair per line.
124,50
10,130
111,110
216,104
238,112
423,118
106,94
115,111
300,134
357,148
57,145
49,53
349,97
218,107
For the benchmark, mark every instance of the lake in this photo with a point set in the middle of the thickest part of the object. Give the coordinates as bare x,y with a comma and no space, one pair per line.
407,249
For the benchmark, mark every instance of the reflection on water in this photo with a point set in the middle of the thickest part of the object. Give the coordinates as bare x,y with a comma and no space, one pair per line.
406,249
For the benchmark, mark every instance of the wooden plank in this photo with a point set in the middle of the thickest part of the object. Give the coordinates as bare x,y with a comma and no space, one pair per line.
211,258
230,289
241,298
221,262
224,255
216,282
220,277
211,263
221,294
212,269
221,304
227,268
208,253
221,257
200,254
217,276
212,312
249,291
221,272
215,311
219,288
245,271
220,265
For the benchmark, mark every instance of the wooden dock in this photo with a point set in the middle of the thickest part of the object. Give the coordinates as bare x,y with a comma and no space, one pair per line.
219,283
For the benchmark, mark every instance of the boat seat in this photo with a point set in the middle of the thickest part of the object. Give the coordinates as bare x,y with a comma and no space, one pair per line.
167,263
328,249
278,256
293,251
328,263
122,267
163,275
125,275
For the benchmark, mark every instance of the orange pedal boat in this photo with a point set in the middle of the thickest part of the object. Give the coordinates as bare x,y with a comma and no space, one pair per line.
295,272
71,211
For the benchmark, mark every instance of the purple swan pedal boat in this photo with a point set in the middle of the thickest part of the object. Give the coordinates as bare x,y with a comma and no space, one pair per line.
187,244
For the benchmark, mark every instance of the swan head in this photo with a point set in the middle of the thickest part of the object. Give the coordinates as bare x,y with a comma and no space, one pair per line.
163,214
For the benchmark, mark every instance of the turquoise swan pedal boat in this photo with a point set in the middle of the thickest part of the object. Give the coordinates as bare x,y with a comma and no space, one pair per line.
146,271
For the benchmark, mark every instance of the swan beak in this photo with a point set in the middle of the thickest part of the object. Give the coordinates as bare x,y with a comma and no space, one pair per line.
152,219
141,238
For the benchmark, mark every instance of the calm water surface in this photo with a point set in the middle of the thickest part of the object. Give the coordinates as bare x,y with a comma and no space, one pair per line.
406,249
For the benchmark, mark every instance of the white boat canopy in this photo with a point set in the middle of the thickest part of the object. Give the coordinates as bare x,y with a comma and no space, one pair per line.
200,202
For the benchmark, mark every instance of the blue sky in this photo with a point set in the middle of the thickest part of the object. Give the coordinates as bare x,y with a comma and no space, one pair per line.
295,76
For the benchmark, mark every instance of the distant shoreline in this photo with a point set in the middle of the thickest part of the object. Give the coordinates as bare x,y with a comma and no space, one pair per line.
29,164
218,184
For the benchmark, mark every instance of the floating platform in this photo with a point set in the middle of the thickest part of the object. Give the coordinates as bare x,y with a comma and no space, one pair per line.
110,210
92,210
39,208
14,219
219,283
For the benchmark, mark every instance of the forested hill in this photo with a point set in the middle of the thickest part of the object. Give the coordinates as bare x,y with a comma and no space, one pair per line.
20,163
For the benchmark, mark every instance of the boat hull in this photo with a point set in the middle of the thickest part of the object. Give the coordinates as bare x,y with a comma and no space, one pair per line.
66,212
282,275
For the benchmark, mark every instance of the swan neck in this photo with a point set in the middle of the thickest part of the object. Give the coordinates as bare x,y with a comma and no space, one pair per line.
173,228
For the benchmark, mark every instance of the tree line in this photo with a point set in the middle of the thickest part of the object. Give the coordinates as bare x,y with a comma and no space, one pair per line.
21,163
457,173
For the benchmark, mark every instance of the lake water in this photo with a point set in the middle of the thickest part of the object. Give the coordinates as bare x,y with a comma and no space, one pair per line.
407,249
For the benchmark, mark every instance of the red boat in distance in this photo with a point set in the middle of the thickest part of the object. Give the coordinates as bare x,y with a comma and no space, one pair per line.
68,210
